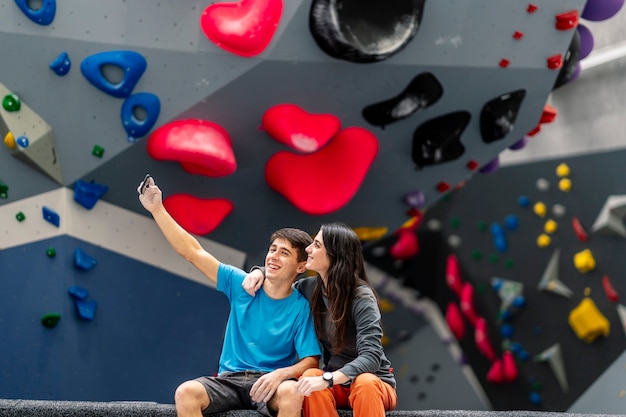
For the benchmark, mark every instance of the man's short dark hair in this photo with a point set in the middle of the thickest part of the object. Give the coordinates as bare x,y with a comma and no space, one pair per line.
299,239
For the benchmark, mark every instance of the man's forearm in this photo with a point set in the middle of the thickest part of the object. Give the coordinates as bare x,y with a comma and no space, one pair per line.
296,370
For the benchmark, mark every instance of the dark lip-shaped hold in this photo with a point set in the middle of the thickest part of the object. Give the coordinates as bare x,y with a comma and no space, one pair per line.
423,91
438,140
497,117
364,31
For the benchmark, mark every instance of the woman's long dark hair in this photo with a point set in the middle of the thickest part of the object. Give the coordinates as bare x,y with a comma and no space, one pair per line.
346,272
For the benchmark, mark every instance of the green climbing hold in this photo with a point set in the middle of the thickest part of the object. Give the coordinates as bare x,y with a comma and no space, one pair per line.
508,263
51,252
482,226
493,258
97,151
537,386
477,254
455,222
481,288
20,216
4,190
50,320
11,102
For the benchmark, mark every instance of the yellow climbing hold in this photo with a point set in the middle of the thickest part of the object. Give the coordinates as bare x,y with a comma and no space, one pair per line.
562,170
587,321
565,185
550,226
543,240
370,233
540,209
9,141
584,261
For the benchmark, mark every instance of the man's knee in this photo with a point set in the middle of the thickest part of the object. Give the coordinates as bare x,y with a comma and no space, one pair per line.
191,394
286,398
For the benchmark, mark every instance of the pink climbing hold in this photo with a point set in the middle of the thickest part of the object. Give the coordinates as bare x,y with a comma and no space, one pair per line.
324,181
196,215
481,338
453,275
407,245
243,28
495,375
467,303
509,367
201,147
303,131
454,319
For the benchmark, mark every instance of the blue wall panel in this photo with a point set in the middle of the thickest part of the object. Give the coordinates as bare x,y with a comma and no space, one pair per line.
152,330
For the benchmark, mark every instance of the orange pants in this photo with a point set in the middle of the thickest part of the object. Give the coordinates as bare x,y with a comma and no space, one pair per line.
367,396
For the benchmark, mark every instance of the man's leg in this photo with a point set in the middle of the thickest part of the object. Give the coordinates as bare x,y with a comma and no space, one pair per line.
191,398
286,402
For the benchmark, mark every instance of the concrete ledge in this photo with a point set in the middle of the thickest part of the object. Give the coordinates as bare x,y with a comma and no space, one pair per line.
45,408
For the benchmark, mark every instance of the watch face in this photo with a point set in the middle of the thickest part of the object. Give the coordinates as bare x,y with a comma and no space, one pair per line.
327,376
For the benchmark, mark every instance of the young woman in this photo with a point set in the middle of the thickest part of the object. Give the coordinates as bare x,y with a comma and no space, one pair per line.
356,373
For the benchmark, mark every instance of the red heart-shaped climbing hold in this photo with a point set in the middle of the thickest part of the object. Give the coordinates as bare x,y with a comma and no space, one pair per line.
197,215
324,181
201,147
243,28
302,131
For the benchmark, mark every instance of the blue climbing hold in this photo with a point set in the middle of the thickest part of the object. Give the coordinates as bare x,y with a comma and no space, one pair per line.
535,398
51,216
82,260
78,293
23,141
87,194
43,15
135,127
61,64
131,63
511,222
523,201
507,331
86,309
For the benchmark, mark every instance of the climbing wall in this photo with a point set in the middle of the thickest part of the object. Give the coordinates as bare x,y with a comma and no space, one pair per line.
311,119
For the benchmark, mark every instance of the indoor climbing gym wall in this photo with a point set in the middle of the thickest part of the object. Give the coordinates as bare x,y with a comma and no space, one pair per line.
367,112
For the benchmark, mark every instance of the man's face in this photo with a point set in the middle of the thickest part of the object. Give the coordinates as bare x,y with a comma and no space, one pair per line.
281,261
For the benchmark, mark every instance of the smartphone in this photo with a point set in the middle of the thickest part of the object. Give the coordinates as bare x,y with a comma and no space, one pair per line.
144,183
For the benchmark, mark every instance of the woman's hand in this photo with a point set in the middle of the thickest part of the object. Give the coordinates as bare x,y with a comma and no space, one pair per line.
253,281
309,384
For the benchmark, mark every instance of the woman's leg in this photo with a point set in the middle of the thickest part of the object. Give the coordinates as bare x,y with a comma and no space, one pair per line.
371,397
320,403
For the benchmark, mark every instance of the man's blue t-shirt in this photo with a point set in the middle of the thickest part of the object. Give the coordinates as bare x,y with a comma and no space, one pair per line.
263,334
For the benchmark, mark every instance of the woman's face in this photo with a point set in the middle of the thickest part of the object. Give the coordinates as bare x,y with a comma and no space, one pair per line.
318,259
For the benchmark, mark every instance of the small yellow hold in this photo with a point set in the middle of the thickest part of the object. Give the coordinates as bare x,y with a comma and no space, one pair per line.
543,240
584,261
386,306
565,185
540,209
588,322
550,226
587,291
370,233
9,141
562,170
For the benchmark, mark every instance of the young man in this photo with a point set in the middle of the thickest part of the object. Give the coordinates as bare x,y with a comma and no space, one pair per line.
258,368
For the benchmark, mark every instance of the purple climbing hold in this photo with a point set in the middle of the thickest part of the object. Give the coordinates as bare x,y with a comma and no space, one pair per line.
43,15
131,63
597,10
61,64
415,199
520,144
491,166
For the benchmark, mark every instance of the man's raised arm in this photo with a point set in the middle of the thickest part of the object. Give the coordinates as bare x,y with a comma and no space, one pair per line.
185,244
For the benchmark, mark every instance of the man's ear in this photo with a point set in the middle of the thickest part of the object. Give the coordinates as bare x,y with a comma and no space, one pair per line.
301,267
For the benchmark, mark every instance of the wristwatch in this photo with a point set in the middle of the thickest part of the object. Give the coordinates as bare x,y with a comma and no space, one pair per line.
328,377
